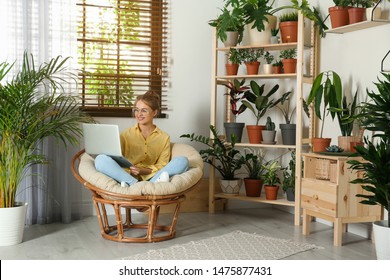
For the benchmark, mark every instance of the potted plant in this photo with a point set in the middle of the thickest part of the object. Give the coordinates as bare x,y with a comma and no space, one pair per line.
288,25
288,184
253,161
288,129
233,62
269,132
236,93
274,36
289,60
375,166
374,12
33,106
268,65
271,179
277,67
339,13
229,24
326,92
223,156
251,59
346,115
357,10
258,103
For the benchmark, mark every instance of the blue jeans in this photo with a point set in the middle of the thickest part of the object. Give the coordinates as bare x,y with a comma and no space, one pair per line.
111,168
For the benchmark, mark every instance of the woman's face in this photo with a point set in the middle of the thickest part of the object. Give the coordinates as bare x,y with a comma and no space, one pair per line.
143,113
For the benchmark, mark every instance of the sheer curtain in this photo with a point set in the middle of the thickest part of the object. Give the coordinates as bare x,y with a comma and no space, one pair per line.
46,29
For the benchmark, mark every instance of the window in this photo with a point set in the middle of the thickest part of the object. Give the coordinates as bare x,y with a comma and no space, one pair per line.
122,53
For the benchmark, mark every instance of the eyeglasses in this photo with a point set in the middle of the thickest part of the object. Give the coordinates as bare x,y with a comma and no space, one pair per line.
143,111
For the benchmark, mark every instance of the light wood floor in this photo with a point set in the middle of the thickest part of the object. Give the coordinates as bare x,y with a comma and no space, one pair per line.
82,240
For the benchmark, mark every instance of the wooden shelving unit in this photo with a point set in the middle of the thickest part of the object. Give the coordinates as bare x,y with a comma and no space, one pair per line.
358,26
300,78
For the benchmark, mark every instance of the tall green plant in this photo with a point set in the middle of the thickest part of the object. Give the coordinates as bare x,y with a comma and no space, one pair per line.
33,106
346,115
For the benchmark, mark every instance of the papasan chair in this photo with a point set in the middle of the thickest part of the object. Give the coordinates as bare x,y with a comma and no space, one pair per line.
143,196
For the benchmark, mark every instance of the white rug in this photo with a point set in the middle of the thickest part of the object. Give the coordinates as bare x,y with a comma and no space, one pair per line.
236,245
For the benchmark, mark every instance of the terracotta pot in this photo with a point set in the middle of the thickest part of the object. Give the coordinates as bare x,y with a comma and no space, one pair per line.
231,69
353,144
289,31
320,144
356,14
271,192
276,69
252,68
290,65
253,187
254,133
338,16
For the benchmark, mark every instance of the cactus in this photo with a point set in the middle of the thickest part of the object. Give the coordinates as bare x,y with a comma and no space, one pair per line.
270,125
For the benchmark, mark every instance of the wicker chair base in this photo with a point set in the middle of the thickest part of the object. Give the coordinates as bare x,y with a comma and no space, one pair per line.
121,231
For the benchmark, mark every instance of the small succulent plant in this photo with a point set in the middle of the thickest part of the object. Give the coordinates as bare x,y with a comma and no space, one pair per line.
334,149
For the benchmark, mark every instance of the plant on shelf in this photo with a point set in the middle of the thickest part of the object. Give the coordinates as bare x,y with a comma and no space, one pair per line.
230,20
33,106
288,184
277,67
236,93
289,60
288,129
326,92
274,36
233,61
375,166
271,179
223,156
251,59
269,132
288,24
268,65
253,162
339,13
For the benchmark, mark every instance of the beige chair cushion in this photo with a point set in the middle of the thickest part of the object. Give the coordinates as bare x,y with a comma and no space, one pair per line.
178,183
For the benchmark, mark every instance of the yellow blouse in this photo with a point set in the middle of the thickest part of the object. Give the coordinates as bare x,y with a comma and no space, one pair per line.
154,152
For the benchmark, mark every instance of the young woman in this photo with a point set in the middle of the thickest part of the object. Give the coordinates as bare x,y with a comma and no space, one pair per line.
145,146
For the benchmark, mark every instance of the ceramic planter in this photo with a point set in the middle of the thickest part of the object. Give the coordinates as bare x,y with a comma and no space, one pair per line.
290,194
268,136
263,37
267,69
271,192
231,187
288,133
232,39
372,14
231,69
338,16
320,144
253,187
254,133
12,224
353,144
289,31
382,240
252,68
289,65
356,14
234,128
276,69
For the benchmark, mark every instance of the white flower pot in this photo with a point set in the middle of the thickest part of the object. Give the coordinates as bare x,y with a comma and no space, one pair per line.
377,13
12,224
382,240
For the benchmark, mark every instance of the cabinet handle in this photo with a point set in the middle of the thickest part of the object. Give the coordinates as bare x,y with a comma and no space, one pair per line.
315,197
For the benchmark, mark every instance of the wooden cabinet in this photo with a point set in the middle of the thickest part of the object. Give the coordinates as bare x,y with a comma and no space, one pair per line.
326,193
307,53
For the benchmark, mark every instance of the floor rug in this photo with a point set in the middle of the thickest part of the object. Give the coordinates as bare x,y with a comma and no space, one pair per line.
236,245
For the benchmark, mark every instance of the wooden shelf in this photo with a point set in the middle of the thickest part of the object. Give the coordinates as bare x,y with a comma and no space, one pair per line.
358,26
264,76
275,47
280,146
279,201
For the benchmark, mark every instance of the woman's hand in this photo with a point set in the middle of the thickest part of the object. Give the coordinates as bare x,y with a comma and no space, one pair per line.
139,171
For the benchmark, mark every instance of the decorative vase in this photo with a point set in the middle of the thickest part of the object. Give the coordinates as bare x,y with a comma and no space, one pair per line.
268,136
254,133
231,69
12,224
338,16
232,39
289,31
252,68
290,194
234,128
289,65
231,187
267,69
382,240
356,14
271,192
320,144
344,142
253,187
263,37
288,133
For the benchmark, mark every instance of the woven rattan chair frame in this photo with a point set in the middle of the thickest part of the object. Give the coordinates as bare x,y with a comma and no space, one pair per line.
149,203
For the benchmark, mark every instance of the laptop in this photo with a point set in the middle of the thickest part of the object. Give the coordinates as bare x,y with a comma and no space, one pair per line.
104,139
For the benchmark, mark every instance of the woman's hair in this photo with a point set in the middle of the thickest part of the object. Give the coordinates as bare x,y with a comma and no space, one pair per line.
151,99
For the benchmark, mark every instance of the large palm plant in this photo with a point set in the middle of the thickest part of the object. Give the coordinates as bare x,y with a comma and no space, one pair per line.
33,106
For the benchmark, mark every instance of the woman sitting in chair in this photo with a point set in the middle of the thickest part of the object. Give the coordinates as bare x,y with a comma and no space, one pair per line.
146,146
